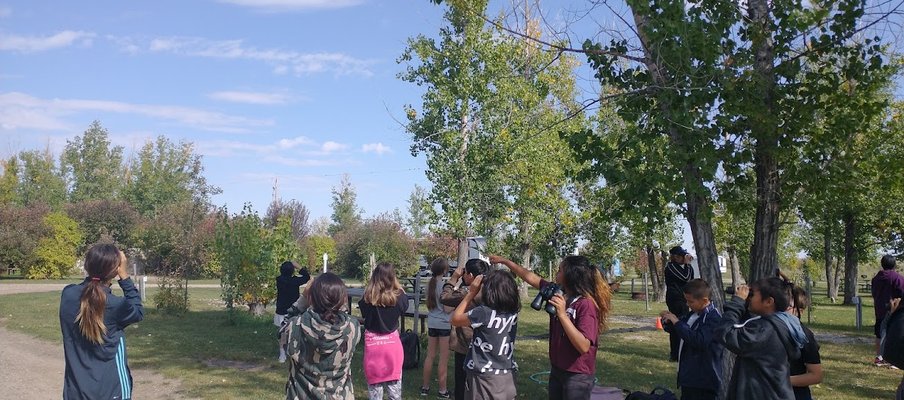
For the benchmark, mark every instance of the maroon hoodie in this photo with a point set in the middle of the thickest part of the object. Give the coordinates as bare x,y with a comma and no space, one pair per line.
886,285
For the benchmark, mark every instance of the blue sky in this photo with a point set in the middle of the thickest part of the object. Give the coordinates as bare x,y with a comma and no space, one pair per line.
299,90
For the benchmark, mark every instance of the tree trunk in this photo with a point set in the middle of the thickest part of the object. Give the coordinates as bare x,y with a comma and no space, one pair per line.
462,251
651,267
735,266
664,259
526,253
836,277
765,131
831,289
850,258
699,210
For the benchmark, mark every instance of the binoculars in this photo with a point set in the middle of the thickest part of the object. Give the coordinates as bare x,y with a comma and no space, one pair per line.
545,294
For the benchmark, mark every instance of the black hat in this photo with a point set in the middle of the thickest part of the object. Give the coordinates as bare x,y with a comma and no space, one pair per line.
678,251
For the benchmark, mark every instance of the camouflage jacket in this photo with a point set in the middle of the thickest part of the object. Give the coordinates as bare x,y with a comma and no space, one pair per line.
321,357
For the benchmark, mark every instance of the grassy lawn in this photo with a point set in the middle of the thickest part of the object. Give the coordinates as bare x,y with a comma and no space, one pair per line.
221,358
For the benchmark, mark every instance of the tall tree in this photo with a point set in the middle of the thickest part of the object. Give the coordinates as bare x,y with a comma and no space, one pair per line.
297,214
346,213
420,212
92,167
40,181
9,181
165,173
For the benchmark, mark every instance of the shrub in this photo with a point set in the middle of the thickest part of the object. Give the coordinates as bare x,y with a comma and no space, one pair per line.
56,253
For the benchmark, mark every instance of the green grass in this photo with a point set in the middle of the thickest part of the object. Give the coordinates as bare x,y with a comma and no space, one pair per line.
196,349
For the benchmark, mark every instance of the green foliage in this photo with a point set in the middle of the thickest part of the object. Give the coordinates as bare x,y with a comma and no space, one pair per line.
166,173
346,213
171,297
420,212
55,254
21,228
296,212
9,181
314,248
40,181
249,255
92,168
380,236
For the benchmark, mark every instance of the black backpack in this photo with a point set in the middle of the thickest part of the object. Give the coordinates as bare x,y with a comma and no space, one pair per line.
659,393
893,341
411,346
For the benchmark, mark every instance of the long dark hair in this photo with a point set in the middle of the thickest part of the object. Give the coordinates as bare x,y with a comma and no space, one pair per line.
582,278
499,292
438,267
101,264
327,296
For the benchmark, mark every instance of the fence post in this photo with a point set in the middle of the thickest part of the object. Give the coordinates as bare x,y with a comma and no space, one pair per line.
646,293
858,316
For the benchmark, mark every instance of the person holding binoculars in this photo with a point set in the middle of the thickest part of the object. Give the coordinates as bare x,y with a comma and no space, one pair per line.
581,307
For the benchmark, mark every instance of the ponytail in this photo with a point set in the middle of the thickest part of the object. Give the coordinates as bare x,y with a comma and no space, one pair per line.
90,318
101,264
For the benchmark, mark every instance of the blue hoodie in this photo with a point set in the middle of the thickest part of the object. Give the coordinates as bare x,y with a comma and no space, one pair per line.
700,361
98,371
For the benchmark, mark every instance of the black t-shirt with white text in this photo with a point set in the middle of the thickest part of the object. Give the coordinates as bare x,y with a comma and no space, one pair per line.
493,347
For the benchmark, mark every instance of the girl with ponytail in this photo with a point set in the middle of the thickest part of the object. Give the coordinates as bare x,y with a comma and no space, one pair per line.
92,320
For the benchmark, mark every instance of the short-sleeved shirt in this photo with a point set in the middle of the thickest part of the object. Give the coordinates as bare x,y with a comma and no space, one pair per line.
493,346
808,355
562,354
438,318
383,319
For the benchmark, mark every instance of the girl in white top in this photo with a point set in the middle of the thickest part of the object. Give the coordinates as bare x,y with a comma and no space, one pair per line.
438,330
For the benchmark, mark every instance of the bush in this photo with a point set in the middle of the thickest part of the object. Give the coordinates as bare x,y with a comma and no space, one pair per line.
97,218
56,253
314,248
250,256
380,236
21,228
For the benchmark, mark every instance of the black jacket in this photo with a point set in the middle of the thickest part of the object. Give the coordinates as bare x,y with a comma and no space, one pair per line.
287,290
764,348
98,371
676,276
700,364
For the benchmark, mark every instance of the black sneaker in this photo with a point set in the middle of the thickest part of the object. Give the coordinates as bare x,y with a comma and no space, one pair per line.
425,391
443,395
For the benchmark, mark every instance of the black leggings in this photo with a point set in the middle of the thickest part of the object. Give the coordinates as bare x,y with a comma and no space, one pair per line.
459,376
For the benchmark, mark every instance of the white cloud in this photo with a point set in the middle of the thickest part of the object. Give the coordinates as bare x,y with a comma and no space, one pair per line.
251,97
292,5
282,61
331,147
30,44
294,142
378,148
22,111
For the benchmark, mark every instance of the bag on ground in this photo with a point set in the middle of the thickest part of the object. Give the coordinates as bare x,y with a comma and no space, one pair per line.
411,346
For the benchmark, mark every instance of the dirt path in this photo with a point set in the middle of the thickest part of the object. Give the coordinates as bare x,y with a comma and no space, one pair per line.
31,368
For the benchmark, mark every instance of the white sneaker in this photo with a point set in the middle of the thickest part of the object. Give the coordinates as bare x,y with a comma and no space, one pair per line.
282,358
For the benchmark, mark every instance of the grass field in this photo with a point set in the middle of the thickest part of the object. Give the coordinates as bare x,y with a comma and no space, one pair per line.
217,357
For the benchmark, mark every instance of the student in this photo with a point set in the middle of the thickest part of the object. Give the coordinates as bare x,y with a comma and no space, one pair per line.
677,272
574,331
383,304
438,331
886,285
287,285
764,344
93,322
490,363
320,341
454,292
699,356
806,370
